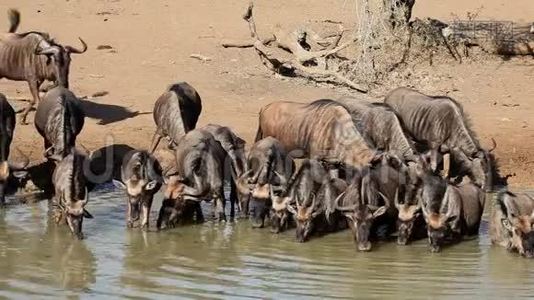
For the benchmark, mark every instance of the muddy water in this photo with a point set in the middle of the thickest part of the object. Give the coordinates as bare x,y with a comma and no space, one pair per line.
231,260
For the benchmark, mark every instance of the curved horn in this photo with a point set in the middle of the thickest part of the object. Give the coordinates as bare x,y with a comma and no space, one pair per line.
283,180
396,200
77,51
343,208
86,198
22,165
494,145
242,183
194,192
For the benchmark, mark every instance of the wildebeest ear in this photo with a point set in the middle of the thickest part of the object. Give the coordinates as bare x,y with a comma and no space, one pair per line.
87,214
119,184
380,211
151,185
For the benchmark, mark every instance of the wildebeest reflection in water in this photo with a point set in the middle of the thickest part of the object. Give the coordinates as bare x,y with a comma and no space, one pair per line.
233,260
50,258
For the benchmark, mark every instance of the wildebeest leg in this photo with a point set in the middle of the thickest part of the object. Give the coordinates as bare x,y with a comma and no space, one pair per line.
146,213
219,202
198,212
155,141
34,89
233,198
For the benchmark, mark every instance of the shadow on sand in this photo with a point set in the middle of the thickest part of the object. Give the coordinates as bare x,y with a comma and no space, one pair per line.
108,113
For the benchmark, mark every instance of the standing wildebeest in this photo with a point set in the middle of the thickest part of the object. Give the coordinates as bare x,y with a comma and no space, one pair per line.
199,175
512,222
379,124
450,211
34,57
322,130
268,165
314,193
59,119
368,202
71,194
235,161
176,113
439,123
8,170
141,177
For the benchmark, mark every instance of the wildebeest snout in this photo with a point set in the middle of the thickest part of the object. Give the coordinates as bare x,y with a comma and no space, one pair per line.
258,209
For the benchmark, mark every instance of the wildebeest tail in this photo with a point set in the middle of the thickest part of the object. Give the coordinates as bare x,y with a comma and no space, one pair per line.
14,19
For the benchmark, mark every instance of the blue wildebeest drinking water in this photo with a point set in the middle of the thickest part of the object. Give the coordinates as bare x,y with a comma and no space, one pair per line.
34,57
235,161
176,113
440,123
450,211
8,171
141,177
512,222
59,119
71,193
312,194
268,167
368,202
199,175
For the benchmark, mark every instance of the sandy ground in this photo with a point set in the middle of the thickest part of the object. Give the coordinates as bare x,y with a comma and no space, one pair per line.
152,42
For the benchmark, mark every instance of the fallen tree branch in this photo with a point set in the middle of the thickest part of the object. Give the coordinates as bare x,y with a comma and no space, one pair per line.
245,44
302,61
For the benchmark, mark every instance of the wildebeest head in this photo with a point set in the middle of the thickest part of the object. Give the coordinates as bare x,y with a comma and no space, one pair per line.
519,226
408,214
138,190
478,167
58,58
74,212
12,176
439,210
174,200
281,203
305,212
360,213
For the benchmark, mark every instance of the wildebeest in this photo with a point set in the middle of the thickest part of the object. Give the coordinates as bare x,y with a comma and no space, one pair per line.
368,202
379,124
59,119
71,194
34,57
313,192
268,165
199,175
440,123
512,222
141,178
235,161
450,211
176,113
322,130
8,171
